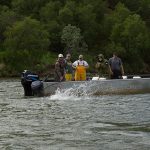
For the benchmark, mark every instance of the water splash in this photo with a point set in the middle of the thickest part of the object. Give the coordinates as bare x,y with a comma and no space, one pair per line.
76,92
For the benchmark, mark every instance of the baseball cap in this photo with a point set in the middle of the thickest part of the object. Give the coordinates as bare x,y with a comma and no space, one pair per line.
60,55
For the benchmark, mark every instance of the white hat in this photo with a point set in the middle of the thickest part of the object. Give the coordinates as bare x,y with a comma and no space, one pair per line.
60,55
80,56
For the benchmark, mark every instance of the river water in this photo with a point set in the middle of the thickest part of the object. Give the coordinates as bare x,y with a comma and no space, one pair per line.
65,122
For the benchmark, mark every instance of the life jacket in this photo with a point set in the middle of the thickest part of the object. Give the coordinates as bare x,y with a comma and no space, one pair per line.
68,67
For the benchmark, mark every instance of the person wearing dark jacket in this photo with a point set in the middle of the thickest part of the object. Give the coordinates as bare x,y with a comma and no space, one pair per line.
116,67
102,66
60,69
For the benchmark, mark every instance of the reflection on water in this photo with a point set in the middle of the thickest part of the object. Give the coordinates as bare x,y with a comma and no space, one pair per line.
66,122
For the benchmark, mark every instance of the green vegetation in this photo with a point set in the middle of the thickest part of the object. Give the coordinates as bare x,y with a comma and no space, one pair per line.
32,33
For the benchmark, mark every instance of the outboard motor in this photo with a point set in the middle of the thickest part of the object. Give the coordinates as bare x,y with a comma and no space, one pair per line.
37,88
27,79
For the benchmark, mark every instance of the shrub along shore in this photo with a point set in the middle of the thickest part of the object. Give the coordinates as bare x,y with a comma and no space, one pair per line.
33,33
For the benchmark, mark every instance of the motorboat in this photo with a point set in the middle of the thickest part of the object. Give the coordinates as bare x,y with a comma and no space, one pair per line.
94,86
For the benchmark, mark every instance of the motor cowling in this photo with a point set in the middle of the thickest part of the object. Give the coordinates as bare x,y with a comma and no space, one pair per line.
27,78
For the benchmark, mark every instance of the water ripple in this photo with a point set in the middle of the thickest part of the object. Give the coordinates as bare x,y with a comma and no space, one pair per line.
69,122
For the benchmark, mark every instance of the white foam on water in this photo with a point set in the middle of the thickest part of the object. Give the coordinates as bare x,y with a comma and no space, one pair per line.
73,93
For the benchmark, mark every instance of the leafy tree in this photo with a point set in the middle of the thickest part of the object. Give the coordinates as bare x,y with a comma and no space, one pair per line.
6,2
28,27
17,61
28,7
99,8
54,30
73,40
50,11
66,15
112,3
132,36
128,36
87,24
94,34
50,18
114,21
141,7
132,5
144,10
27,36
7,18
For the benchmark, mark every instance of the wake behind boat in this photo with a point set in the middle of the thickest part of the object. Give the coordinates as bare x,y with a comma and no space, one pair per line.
98,86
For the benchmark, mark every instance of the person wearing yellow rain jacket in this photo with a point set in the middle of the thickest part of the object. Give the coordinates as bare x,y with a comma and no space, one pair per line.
80,67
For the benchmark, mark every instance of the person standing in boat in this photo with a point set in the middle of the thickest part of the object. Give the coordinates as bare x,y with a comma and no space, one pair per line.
80,67
102,66
115,67
60,69
68,68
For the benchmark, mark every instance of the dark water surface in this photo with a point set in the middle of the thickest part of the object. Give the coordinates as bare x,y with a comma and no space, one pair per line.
63,122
